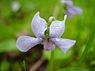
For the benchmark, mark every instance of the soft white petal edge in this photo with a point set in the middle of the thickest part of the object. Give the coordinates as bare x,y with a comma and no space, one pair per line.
57,28
64,44
39,25
24,43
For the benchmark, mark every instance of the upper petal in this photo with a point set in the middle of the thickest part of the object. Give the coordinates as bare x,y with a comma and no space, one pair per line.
68,2
57,28
64,44
24,43
39,25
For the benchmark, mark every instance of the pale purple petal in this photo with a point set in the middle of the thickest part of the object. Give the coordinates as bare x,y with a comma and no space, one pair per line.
68,2
48,45
39,26
57,28
64,44
68,13
24,43
75,10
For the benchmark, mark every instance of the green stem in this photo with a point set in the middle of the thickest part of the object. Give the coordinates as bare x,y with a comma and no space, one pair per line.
24,65
52,61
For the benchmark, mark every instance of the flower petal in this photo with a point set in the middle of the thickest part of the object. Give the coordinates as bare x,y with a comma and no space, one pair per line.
48,45
75,10
68,2
57,28
64,44
24,43
68,13
39,26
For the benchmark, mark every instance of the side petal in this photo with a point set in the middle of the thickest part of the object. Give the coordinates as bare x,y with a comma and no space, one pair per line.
48,45
64,44
39,25
57,28
24,43
75,10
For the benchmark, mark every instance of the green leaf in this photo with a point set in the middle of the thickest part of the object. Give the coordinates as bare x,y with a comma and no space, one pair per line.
73,69
88,46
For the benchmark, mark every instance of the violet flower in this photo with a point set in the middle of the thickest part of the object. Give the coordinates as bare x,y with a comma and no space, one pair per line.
39,26
70,9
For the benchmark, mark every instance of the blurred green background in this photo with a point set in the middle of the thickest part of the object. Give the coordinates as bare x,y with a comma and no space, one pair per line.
15,20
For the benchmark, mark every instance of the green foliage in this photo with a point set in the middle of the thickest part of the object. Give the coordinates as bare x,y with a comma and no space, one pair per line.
16,67
73,69
24,65
4,66
58,54
8,45
89,45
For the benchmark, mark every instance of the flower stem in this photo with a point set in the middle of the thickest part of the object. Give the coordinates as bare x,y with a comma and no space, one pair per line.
52,61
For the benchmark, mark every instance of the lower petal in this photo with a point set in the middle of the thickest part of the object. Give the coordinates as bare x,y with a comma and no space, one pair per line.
48,45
